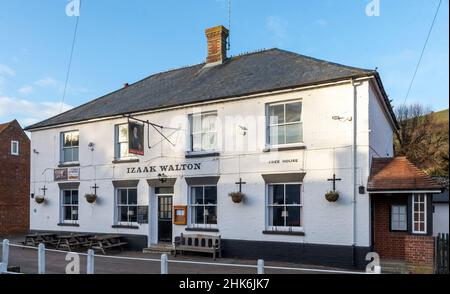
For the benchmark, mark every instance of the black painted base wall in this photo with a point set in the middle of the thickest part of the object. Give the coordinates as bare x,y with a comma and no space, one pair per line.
314,254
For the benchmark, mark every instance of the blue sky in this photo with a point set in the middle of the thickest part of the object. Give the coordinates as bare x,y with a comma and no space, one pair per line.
125,41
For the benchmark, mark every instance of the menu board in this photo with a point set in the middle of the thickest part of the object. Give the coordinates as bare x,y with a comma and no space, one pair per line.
142,214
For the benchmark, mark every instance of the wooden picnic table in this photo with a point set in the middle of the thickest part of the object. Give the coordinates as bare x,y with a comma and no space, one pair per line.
37,238
73,241
105,242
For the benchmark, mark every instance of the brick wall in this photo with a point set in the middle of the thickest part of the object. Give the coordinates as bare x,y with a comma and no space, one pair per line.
387,244
419,253
14,181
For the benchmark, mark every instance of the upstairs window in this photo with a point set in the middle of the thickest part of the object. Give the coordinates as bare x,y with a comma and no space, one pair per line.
121,142
203,129
70,146
285,123
14,147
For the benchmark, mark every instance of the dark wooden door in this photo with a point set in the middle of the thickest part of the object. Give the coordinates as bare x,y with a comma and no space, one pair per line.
165,219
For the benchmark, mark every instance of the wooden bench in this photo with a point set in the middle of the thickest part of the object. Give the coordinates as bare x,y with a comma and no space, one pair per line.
198,243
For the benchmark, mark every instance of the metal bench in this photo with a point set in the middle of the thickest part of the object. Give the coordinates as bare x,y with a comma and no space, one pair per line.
198,243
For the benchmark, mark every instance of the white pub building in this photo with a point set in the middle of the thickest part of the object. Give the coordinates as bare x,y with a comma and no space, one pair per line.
271,150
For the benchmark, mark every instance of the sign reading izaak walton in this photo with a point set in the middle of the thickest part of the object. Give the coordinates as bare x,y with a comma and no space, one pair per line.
164,168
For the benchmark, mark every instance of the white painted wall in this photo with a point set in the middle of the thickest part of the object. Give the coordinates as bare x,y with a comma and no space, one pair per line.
326,141
440,218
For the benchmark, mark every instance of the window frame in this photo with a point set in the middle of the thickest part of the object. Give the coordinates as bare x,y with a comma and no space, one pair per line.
268,207
191,206
72,205
15,143
62,147
117,148
191,132
117,207
269,125
391,214
424,212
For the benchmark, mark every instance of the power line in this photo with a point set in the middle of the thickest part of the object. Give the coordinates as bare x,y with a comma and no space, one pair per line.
423,51
70,61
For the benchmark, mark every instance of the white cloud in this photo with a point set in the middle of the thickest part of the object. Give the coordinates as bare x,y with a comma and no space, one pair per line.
25,90
278,27
27,111
6,70
47,82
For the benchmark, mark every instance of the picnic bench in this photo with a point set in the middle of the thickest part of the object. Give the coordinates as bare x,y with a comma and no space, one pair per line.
198,243
73,241
37,238
105,242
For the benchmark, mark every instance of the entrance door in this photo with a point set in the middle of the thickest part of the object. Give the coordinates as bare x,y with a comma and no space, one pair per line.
165,218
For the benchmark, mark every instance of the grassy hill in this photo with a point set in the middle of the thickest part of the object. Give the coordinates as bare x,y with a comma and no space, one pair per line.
441,116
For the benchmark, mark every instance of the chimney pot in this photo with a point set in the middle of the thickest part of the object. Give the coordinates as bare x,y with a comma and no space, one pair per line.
217,44
126,85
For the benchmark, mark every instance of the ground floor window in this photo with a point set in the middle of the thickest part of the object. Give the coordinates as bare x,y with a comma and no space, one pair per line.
203,205
419,207
69,206
126,206
399,218
284,205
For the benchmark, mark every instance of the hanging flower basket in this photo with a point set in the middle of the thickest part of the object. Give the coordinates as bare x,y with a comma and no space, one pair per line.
39,199
332,196
91,198
237,197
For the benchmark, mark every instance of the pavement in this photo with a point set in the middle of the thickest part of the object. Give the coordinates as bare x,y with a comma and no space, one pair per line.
27,260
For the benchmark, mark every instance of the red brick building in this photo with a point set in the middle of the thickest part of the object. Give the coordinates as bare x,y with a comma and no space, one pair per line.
14,179
402,212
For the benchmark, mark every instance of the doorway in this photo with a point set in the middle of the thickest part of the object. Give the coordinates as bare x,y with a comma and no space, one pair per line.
165,201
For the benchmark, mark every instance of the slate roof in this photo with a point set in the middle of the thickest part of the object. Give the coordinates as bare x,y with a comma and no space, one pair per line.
253,73
398,174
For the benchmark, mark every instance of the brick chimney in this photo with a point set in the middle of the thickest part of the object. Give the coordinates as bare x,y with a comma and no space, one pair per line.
217,44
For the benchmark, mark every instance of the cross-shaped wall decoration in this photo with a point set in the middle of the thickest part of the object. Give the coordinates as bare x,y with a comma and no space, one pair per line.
334,180
95,187
44,189
240,183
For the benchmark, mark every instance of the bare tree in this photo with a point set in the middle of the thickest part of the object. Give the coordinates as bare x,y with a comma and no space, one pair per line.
421,139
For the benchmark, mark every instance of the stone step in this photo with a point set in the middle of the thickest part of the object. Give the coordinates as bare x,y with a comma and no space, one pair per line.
394,267
159,249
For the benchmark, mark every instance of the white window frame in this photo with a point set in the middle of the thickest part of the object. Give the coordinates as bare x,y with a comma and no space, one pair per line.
15,144
269,125
63,206
117,207
191,206
192,133
267,209
117,153
424,212
405,208
62,148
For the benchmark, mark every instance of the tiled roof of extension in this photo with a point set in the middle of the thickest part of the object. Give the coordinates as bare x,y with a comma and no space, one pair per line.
252,73
399,174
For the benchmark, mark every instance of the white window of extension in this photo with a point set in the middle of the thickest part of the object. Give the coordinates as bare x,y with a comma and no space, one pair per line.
70,147
203,132
203,206
284,207
399,218
284,124
419,210
126,206
69,206
121,142
14,147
